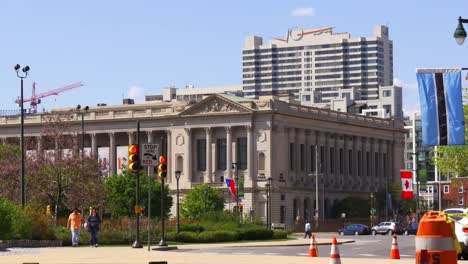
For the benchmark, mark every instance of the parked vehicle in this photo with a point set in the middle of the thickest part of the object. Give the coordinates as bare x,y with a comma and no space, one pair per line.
387,228
460,231
354,229
410,230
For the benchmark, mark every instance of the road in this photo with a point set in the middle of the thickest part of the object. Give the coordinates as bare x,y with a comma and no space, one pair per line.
364,247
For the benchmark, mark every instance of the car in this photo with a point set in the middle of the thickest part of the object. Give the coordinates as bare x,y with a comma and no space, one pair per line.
410,230
354,229
386,228
460,231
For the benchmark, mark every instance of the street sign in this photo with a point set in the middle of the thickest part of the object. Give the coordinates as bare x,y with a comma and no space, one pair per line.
373,211
149,155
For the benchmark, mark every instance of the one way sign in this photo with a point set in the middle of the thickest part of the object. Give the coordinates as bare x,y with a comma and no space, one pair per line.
149,155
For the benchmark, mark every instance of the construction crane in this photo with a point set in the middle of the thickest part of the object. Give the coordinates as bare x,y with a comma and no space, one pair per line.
36,99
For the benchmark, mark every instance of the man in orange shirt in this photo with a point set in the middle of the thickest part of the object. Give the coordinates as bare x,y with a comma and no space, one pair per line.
74,224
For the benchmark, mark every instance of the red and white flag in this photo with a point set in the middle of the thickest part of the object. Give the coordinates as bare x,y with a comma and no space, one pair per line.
406,184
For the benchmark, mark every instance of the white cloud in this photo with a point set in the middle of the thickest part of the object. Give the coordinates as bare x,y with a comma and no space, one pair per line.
303,12
410,97
136,93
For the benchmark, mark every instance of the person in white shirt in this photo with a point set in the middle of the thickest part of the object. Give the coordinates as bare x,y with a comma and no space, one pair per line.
308,230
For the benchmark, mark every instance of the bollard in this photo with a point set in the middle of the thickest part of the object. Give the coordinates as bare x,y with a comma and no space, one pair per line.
434,236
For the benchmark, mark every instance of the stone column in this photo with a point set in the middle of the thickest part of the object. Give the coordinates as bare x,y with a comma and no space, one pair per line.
345,174
208,172
355,158
228,151
40,147
170,158
112,154
131,138
3,141
188,156
250,155
94,147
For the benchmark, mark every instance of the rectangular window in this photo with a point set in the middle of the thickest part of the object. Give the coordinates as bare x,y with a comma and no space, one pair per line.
291,156
242,153
312,158
341,161
376,162
350,162
201,154
359,163
446,189
332,160
460,200
387,93
368,171
221,153
282,214
302,157
460,189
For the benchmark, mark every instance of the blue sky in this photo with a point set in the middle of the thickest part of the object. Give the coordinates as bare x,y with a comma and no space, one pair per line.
119,48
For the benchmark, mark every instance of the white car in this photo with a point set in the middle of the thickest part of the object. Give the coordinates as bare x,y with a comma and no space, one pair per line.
460,231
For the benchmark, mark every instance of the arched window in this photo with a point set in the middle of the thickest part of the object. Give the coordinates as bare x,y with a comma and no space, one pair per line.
261,161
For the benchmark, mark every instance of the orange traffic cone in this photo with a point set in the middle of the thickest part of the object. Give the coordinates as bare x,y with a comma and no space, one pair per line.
313,249
334,253
395,252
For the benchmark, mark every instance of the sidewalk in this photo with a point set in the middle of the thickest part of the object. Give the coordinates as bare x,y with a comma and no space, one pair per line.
128,255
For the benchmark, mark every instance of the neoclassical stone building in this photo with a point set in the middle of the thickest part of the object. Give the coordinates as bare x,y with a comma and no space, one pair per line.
265,138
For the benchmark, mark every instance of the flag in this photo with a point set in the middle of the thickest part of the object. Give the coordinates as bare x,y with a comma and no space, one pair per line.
442,117
231,184
406,184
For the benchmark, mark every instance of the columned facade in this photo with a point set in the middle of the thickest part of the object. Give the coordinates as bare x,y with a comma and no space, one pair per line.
354,155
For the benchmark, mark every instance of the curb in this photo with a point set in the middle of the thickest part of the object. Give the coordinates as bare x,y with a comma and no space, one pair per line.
295,245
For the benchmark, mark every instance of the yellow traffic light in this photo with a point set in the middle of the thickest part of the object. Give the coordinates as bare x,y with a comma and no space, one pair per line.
162,167
133,159
49,210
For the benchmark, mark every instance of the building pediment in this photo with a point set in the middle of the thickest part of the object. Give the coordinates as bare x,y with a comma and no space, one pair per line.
216,104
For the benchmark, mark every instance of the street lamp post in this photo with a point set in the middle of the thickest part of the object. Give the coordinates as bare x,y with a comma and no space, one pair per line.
22,180
85,109
177,175
460,33
269,187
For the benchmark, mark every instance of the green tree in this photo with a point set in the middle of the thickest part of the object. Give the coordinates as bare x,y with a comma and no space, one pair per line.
121,191
200,200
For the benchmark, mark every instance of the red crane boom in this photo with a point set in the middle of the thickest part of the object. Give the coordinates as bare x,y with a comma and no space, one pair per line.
52,92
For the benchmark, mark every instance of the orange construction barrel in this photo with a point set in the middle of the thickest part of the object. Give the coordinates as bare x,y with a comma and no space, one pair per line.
435,235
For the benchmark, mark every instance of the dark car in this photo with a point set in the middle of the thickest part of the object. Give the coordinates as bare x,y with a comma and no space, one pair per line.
354,229
410,230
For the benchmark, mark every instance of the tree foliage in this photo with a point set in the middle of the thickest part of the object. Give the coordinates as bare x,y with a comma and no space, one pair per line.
60,176
121,190
200,200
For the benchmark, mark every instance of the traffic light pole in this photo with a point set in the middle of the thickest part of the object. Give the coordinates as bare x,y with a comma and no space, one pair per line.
162,243
137,243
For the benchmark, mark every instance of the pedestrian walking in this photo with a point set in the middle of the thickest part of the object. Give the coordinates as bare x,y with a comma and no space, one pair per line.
94,224
74,224
308,230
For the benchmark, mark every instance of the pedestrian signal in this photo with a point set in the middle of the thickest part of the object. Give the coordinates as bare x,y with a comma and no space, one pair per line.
162,167
133,159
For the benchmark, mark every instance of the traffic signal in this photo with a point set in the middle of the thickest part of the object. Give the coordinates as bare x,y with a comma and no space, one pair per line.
49,210
162,167
133,160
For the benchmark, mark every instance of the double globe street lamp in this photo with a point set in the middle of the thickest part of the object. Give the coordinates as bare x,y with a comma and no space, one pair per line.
25,71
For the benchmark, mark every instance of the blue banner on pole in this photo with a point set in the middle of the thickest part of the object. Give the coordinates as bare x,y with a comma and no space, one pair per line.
442,118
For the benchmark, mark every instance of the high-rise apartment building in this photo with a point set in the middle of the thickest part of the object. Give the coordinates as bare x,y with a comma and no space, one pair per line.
318,60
